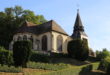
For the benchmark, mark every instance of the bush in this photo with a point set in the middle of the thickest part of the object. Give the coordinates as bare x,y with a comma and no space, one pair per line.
39,57
47,66
21,53
5,68
104,64
46,58
5,57
102,54
108,70
78,49
58,55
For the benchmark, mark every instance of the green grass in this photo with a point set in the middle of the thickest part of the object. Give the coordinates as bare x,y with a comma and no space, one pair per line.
95,65
47,66
57,69
12,69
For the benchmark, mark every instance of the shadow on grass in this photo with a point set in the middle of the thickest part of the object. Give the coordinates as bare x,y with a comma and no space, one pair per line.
88,71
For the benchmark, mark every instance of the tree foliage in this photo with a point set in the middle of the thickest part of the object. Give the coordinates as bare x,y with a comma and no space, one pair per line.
78,49
102,54
11,18
108,70
21,52
5,57
104,64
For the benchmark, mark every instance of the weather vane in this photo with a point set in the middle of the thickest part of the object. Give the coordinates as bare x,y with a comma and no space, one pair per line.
78,5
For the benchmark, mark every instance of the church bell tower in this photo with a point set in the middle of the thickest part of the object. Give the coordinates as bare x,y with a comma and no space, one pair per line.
78,29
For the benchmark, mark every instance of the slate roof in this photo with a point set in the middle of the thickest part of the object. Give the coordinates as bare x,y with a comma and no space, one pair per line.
78,27
78,21
42,28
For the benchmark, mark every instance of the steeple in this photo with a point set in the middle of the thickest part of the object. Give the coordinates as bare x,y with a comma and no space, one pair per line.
78,31
78,23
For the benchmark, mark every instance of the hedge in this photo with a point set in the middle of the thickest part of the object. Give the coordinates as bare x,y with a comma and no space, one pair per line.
69,71
21,53
11,69
76,70
46,66
6,57
39,57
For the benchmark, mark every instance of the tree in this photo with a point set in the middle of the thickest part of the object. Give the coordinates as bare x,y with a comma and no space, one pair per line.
102,54
108,70
11,19
5,57
78,49
104,64
21,53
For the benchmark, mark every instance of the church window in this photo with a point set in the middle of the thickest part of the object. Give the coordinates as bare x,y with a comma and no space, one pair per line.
44,43
59,43
24,37
19,38
37,44
85,40
31,39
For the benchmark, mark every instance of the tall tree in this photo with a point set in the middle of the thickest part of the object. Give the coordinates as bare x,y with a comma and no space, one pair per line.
21,53
78,49
11,19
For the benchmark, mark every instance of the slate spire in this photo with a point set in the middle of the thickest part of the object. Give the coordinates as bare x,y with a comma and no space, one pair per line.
78,30
78,23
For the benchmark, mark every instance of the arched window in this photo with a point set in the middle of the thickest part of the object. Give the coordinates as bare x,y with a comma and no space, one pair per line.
19,38
24,37
31,39
44,43
59,43
37,44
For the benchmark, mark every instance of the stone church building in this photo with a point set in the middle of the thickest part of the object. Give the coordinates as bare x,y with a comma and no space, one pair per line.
49,36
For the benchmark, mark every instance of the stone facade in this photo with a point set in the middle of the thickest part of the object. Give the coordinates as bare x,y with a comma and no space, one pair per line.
49,36
54,40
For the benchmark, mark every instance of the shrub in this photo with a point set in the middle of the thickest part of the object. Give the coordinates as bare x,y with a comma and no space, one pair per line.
21,53
39,57
46,58
47,66
5,68
104,64
59,55
5,57
102,54
78,49
108,70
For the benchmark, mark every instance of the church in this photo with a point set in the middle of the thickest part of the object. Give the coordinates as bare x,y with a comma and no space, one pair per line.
49,36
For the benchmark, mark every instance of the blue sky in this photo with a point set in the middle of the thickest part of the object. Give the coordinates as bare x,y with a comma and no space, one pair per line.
95,15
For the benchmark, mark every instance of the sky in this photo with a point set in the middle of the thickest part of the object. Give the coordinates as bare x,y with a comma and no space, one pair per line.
95,15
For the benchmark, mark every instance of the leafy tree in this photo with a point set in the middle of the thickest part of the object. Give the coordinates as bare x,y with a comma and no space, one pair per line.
102,54
104,64
11,18
5,57
78,49
21,53
108,70
18,11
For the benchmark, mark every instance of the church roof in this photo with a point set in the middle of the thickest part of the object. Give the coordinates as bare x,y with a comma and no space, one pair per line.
78,27
78,21
42,28
26,23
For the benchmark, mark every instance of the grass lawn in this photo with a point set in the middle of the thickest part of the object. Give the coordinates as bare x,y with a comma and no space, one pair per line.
57,69
28,71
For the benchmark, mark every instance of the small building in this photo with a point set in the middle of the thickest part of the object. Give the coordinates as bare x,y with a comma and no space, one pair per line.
49,36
